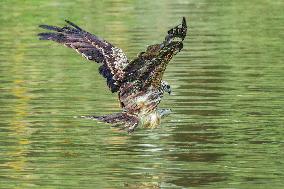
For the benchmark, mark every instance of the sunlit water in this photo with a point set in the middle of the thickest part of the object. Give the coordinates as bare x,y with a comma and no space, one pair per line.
226,129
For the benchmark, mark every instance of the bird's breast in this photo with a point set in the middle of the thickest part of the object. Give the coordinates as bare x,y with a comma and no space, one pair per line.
142,102
150,120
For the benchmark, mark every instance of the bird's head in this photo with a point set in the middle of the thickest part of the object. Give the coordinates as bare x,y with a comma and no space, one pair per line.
166,87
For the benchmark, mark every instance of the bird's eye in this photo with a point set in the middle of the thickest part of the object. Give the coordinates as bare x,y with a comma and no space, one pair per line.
168,86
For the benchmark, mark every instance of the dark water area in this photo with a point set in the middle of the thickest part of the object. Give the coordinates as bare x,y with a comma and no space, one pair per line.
226,129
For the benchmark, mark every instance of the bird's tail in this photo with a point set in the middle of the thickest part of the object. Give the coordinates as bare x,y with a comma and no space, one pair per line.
127,121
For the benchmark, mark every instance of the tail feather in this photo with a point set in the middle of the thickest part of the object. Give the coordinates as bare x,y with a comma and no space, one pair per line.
129,121
111,118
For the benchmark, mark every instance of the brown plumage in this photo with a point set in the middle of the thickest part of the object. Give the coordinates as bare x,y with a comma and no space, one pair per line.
138,82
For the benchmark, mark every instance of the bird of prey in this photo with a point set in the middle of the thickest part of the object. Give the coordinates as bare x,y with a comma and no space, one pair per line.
138,82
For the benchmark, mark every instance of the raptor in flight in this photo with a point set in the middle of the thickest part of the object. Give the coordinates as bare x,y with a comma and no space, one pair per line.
138,82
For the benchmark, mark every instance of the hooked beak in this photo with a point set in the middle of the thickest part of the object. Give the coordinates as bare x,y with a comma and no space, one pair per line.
170,92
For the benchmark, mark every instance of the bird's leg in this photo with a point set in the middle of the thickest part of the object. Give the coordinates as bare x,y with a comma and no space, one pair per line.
124,127
164,112
132,128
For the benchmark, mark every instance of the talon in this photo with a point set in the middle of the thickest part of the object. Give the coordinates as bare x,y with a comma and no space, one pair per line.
130,130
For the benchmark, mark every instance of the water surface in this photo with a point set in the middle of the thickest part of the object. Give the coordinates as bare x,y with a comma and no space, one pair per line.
226,130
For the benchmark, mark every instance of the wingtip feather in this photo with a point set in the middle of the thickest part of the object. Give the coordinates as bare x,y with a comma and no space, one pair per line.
43,36
72,24
53,28
184,22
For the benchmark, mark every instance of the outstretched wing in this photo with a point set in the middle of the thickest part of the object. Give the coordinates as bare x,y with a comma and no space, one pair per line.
92,48
149,66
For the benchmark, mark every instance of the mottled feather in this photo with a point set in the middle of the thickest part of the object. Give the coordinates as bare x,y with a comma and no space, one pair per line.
92,48
138,83
149,66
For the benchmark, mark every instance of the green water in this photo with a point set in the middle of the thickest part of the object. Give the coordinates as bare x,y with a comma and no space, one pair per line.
226,130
